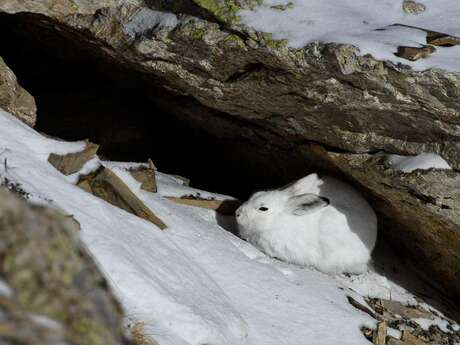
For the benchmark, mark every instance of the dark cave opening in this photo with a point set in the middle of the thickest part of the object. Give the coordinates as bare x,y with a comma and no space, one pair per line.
81,94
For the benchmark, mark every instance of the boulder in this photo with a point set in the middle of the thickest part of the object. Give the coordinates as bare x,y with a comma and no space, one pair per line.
55,293
14,98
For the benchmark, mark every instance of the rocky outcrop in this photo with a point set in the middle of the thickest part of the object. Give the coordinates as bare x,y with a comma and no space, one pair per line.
14,98
55,294
270,100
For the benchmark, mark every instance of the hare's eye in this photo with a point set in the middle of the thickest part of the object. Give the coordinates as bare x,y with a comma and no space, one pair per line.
263,208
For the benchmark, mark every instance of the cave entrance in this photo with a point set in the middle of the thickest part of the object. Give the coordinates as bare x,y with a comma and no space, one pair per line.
82,94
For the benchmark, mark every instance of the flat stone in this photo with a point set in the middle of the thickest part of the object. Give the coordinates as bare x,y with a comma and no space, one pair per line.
441,39
73,162
415,53
407,312
146,176
225,207
108,186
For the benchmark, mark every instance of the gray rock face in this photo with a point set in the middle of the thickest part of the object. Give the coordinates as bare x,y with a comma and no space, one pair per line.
57,295
14,98
255,89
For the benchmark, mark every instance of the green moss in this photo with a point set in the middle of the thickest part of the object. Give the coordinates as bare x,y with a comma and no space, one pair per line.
271,43
347,59
224,10
235,40
198,34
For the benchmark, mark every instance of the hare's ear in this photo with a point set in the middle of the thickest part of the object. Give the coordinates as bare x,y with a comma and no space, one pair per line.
303,185
303,204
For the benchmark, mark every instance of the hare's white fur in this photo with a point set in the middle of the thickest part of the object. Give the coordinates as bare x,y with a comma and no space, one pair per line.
319,222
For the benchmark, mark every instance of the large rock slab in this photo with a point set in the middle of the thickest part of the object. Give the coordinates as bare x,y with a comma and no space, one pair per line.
57,294
14,98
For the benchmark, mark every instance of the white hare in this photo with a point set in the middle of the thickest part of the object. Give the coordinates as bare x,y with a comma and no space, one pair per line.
319,222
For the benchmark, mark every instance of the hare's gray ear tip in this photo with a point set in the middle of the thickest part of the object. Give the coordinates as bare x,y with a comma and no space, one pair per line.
326,200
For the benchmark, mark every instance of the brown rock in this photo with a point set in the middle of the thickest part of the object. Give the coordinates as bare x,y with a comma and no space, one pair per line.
380,334
146,176
14,98
441,40
409,339
109,187
73,162
225,207
407,312
415,53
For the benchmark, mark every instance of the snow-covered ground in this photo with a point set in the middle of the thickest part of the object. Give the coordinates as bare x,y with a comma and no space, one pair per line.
422,161
366,24
193,283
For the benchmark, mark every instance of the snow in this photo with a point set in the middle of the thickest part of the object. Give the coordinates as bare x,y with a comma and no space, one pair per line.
146,19
423,161
193,283
427,323
366,24
5,289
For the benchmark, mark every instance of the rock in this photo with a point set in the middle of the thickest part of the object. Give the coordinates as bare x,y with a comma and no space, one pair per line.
146,176
441,40
407,312
409,339
415,53
14,98
73,162
225,207
380,334
413,7
363,308
109,187
58,295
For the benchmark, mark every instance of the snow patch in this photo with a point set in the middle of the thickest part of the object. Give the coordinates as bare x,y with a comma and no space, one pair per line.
423,161
5,289
146,19
366,24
